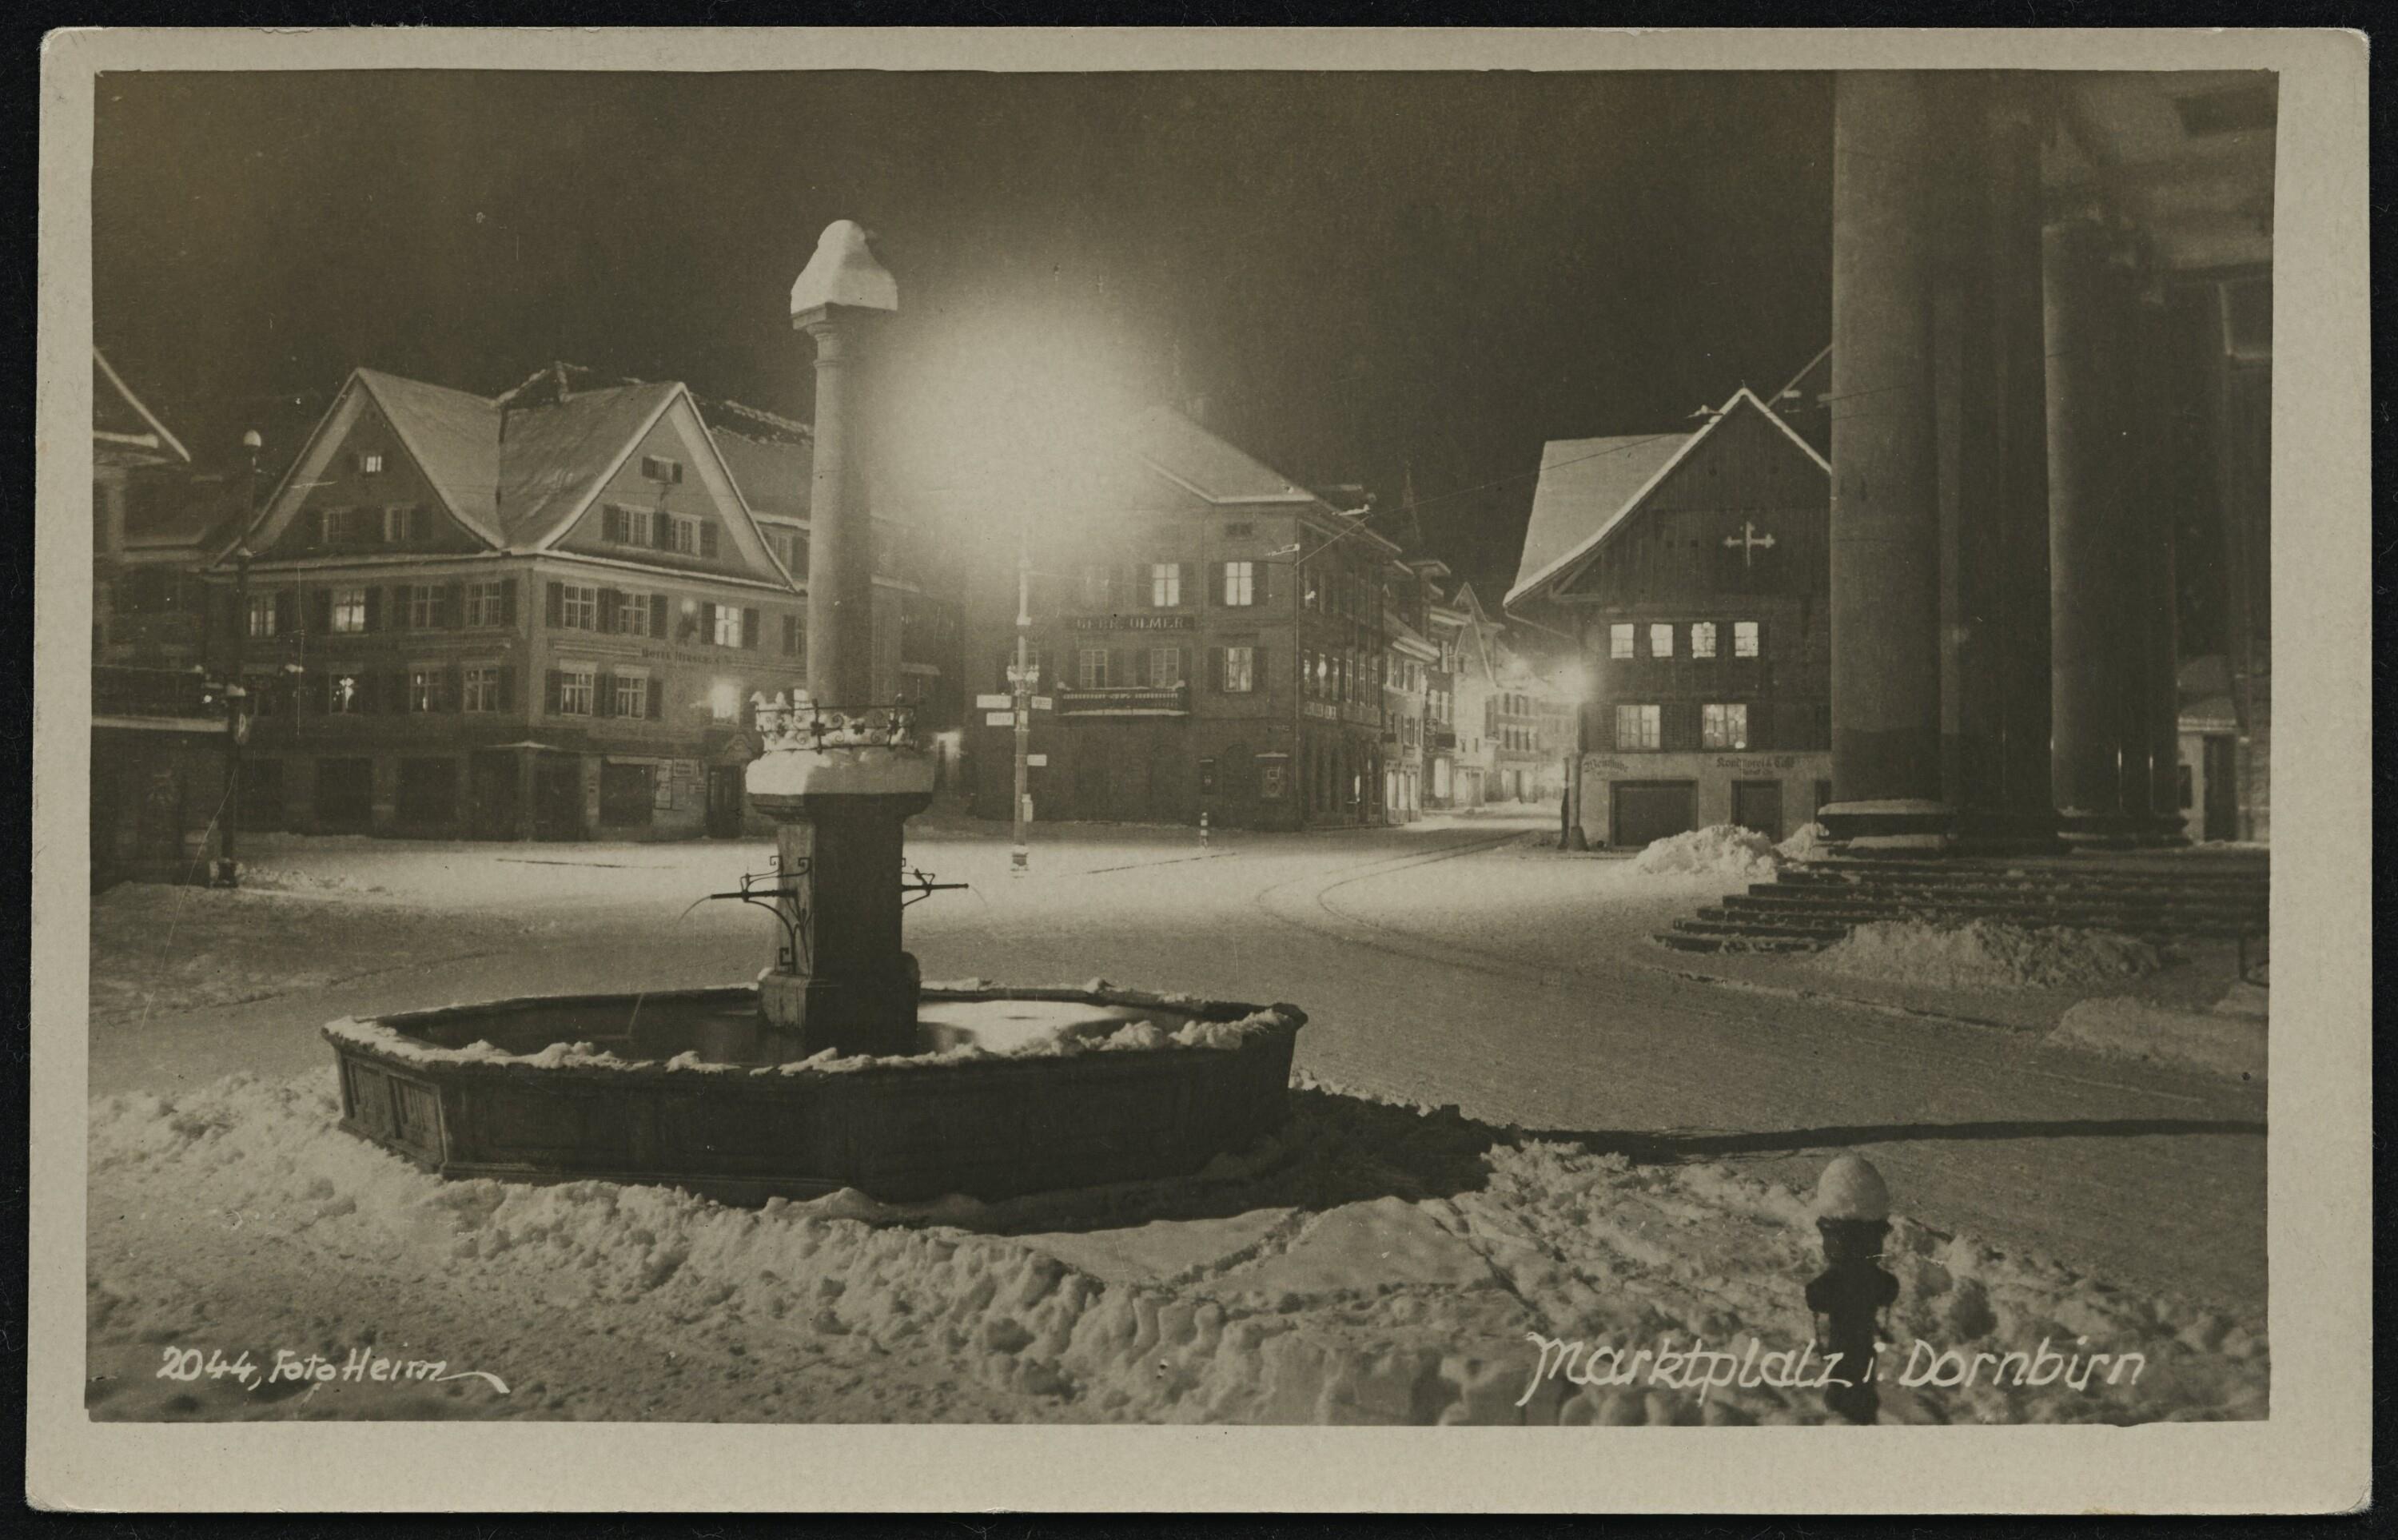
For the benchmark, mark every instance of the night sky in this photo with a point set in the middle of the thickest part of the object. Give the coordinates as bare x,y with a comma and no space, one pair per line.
1361,272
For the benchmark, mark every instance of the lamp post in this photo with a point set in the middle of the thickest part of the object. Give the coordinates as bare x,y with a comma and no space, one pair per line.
236,693
1020,682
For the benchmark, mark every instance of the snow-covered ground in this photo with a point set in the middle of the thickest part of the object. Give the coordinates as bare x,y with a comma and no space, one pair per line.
1438,964
1374,1263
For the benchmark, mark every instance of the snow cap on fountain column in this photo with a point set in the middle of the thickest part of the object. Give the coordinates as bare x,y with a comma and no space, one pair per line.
1850,1188
844,272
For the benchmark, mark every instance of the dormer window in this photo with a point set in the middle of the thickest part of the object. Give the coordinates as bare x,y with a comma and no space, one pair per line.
659,468
369,465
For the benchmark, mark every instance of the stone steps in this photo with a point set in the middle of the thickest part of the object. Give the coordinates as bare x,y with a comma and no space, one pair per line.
2077,910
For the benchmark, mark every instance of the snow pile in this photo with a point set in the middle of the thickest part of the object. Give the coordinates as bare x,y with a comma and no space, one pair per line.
1987,955
1812,842
1384,1264
1722,850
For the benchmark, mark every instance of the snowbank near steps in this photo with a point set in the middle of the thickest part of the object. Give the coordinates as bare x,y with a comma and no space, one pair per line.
1720,850
1388,1263
1987,955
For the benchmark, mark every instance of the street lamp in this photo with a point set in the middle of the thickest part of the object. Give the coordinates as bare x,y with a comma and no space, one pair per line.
237,691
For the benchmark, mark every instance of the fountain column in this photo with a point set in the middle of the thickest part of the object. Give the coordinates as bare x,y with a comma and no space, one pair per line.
841,774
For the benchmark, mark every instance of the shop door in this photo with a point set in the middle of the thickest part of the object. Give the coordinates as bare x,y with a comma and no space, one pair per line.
724,794
1128,780
1757,805
494,781
1646,812
557,797
345,793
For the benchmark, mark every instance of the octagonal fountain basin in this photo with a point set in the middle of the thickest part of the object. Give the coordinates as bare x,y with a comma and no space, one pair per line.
1015,1090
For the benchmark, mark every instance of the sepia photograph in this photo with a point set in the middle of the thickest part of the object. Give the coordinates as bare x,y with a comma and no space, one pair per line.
1234,746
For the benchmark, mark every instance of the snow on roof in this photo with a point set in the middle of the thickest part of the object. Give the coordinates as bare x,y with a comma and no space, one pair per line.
118,415
1183,451
774,479
1587,507
455,437
555,457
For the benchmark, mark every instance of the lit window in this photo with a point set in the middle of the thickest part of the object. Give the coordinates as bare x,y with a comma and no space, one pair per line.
1619,641
1661,641
579,608
427,689
1240,582
485,605
1091,668
1743,638
728,625
482,688
1723,726
1637,727
370,464
1240,666
575,691
632,695
1164,667
343,696
1164,584
262,614
1703,638
349,609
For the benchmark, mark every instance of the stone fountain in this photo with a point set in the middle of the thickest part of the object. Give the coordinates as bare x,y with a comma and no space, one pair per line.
839,1068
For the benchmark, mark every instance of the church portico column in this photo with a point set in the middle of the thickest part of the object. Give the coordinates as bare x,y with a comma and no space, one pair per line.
1885,512
2151,725
2088,516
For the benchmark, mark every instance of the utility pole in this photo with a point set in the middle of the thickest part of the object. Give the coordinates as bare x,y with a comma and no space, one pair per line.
1019,680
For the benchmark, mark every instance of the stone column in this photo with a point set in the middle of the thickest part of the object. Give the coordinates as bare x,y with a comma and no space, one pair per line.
2152,728
1885,524
840,800
2085,510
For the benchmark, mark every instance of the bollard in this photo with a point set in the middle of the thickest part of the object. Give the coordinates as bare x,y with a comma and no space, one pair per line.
1848,1298
1202,825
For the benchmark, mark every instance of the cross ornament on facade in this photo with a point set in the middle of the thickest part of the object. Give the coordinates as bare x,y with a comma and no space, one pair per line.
1747,543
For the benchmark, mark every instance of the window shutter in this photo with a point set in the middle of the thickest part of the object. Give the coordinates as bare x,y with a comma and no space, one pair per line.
557,610
609,600
375,607
1216,669
707,622
749,629
1259,678
507,601
1120,667
790,636
658,616
507,689
395,699
656,698
283,607
453,606
556,690
320,610
662,530
1182,667
1139,678
399,607
453,687
611,524
708,541
603,695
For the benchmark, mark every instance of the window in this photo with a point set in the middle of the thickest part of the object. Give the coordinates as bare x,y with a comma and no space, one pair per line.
1703,638
262,614
1239,531
1164,584
787,549
685,540
1240,582
349,609
1743,638
728,625
1091,668
346,694
349,525
482,683
632,695
579,608
1164,667
1723,726
486,604
402,525
626,526
1240,670
633,614
627,793
370,464
1661,641
724,701
427,689
425,608
1619,640
1636,727
659,468
575,684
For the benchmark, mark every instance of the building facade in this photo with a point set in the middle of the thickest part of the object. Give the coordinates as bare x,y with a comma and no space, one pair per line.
541,615
1693,569
1209,637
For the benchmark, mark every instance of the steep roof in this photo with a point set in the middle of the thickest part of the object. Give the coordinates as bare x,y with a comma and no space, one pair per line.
454,438
555,457
1585,508
1183,451
773,477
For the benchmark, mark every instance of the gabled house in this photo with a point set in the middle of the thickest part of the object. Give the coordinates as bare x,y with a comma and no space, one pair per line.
1693,569
540,614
